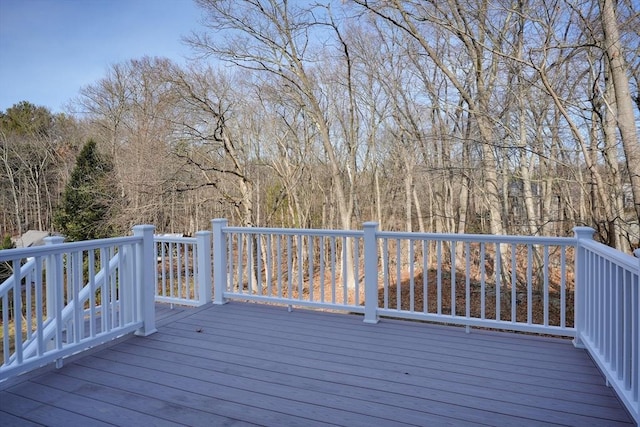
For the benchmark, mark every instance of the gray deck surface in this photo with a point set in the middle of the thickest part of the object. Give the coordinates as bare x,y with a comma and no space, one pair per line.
243,364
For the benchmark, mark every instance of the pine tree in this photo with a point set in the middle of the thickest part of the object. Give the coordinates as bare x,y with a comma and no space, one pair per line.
6,267
7,243
85,210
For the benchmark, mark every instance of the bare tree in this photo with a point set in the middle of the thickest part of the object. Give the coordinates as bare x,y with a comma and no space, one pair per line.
473,31
623,109
211,139
131,112
277,38
34,144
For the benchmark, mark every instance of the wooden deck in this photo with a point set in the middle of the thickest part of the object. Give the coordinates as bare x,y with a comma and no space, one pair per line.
243,364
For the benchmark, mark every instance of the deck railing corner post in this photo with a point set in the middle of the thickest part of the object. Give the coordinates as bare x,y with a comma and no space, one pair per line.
203,248
580,233
219,260
145,279
370,273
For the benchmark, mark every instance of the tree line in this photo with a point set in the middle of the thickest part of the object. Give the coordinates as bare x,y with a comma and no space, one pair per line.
457,116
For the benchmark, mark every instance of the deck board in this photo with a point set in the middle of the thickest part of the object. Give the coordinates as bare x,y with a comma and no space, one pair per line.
84,406
7,419
253,364
134,401
31,411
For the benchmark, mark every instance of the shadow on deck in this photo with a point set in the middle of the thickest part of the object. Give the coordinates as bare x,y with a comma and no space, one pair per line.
243,364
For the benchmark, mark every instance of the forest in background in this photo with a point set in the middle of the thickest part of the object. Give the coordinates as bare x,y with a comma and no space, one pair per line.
460,116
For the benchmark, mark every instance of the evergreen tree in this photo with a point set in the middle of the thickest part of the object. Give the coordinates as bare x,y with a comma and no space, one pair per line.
5,267
85,210
7,243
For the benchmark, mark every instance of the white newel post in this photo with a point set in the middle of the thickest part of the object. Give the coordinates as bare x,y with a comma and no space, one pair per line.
51,270
219,260
580,233
145,278
370,273
203,246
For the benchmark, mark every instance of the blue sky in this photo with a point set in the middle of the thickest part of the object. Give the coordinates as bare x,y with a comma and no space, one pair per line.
49,49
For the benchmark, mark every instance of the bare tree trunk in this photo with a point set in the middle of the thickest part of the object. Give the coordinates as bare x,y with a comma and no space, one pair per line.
13,184
463,203
624,106
527,191
376,179
419,214
408,196
591,165
525,176
610,155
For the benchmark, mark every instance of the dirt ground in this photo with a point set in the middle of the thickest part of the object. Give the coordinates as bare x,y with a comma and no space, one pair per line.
475,304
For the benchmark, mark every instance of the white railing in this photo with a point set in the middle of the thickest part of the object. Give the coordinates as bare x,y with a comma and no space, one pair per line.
505,282
69,297
59,302
183,272
608,317
287,266
571,287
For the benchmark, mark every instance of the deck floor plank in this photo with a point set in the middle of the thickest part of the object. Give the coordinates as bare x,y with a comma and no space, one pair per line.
395,396
138,402
8,420
33,411
212,407
409,347
378,356
270,339
295,388
84,406
260,394
331,372
255,364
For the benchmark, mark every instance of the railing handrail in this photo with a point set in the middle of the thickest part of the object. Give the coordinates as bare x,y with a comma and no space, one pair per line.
35,251
294,231
488,238
622,259
479,238
173,239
